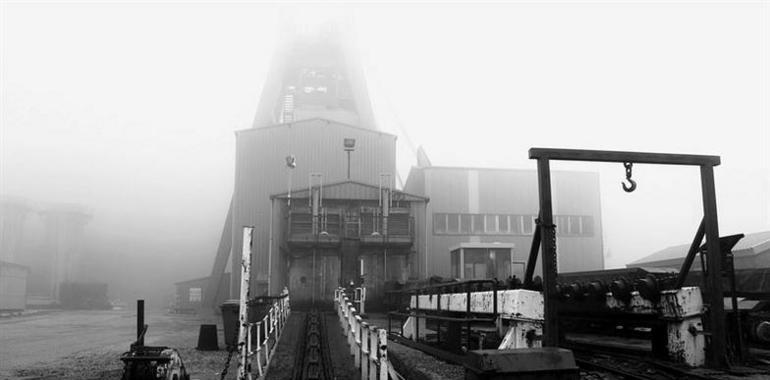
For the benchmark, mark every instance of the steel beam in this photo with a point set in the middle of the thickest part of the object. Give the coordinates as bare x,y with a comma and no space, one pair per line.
619,156
718,350
548,235
532,261
687,264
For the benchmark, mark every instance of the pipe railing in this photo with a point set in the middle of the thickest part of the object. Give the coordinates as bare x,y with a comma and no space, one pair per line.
266,332
368,344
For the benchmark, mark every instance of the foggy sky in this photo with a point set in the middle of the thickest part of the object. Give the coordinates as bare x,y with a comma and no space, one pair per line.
130,109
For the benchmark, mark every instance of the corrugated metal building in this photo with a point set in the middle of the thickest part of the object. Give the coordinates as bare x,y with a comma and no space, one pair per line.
488,206
326,213
261,171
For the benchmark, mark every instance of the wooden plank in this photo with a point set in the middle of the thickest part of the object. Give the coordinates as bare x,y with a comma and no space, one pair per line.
620,156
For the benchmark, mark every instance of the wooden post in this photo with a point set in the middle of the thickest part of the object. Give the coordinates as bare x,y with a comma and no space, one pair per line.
243,315
364,350
383,350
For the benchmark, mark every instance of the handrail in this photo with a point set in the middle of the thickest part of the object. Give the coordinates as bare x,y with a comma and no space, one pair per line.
368,344
267,331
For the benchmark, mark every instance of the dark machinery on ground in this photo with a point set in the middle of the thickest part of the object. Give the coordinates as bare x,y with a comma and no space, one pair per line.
151,362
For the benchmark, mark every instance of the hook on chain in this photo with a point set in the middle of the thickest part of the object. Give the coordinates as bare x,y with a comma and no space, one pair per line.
632,187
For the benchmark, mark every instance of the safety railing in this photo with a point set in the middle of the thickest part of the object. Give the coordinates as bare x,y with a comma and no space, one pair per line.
264,334
368,344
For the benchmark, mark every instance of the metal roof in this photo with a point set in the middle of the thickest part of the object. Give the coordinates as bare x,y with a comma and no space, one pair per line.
752,244
482,245
307,121
351,190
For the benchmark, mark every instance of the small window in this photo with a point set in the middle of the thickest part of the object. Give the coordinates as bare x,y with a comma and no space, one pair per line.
453,223
195,294
490,224
465,223
503,223
574,225
562,225
439,223
516,227
478,224
528,224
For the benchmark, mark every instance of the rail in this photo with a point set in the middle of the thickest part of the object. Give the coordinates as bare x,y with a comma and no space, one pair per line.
264,334
368,344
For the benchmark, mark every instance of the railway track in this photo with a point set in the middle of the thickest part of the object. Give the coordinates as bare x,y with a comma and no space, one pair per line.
600,364
312,360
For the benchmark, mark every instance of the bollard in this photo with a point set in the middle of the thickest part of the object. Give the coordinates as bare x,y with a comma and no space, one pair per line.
207,338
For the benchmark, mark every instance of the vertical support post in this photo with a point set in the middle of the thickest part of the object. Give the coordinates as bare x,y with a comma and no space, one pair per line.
243,315
364,350
717,351
348,163
140,322
383,350
357,341
550,270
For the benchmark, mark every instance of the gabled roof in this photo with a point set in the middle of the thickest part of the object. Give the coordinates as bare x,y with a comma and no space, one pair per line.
306,121
351,190
751,244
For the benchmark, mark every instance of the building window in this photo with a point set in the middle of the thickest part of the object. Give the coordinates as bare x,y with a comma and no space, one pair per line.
512,225
490,224
453,223
502,223
439,223
478,224
484,263
195,294
465,223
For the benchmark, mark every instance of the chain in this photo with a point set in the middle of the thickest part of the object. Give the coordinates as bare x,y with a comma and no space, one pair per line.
230,351
628,166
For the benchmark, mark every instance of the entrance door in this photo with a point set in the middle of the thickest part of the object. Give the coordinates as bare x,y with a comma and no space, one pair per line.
313,279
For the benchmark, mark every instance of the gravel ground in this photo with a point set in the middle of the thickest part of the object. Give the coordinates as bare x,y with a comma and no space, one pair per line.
88,344
417,365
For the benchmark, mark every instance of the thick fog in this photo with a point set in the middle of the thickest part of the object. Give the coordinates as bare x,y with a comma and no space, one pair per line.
130,110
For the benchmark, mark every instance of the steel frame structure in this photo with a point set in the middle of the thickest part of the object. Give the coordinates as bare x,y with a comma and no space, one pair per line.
545,235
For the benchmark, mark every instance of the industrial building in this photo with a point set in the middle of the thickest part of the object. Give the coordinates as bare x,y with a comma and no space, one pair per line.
316,177
479,208
41,246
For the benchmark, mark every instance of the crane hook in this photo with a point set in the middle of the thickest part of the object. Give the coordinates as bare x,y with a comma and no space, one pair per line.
628,189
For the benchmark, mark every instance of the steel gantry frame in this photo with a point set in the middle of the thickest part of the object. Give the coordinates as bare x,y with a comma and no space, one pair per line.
545,235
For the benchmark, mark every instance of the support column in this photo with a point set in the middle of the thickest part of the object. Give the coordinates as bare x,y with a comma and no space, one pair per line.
717,350
551,325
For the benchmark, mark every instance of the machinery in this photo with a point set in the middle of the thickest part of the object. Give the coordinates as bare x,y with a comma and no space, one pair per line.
151,362
496,329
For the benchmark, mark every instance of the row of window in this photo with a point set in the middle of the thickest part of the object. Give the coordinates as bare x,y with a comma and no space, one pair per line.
508,224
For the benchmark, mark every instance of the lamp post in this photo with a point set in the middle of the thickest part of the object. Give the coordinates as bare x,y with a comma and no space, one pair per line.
350,145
